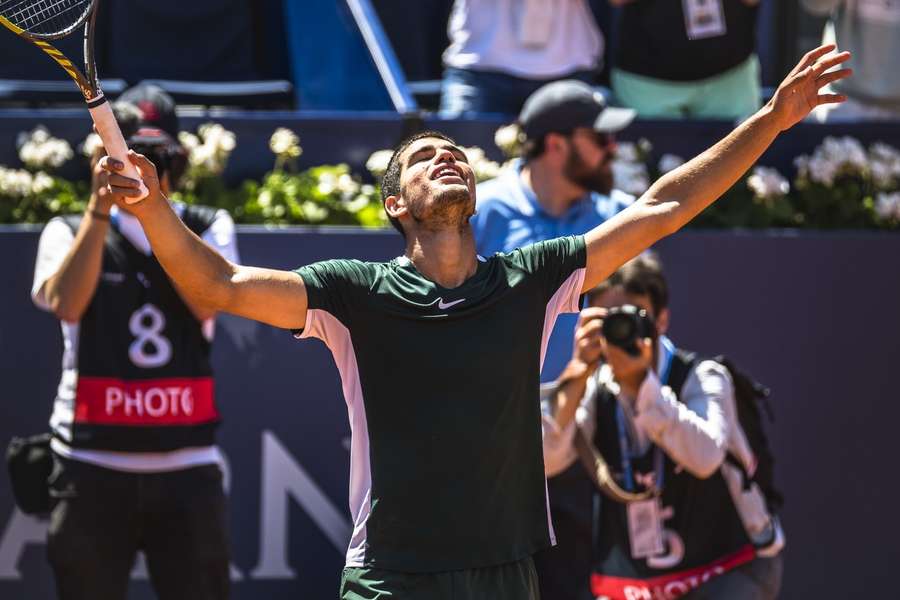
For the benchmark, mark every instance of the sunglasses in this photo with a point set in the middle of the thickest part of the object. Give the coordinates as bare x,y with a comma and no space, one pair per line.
601,139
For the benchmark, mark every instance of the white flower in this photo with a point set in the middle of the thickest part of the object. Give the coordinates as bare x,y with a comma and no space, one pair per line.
188,140
884,162
346,185
39,150
509,139
832,157
627,152
378,162
630,177
483,167
669,162
474,154
313,212
208,151
90,145
767,183
884,152
327,183
284,143
15,183
40,183
357,204
218,137
887,206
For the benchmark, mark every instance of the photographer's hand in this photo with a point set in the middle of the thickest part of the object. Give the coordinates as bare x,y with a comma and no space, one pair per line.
585,359
629,371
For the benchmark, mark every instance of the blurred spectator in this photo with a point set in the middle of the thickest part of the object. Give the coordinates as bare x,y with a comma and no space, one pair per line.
870,29
501,51
666,422
136,467
687,59
562,186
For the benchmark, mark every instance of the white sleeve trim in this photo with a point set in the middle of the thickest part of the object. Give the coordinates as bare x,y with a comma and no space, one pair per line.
55,243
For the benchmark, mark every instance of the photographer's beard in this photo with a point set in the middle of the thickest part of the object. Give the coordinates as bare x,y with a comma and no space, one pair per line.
598,179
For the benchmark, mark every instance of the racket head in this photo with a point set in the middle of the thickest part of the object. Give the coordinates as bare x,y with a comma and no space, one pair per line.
45,19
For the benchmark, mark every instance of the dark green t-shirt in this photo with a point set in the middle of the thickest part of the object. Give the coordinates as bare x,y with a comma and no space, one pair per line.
442,388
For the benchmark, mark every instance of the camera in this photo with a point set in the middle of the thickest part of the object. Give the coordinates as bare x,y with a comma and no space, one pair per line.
624,325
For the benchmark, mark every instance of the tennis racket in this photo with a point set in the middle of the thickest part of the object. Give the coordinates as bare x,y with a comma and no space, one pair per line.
41,20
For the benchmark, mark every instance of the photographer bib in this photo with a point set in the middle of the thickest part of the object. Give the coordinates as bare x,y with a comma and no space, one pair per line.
143,381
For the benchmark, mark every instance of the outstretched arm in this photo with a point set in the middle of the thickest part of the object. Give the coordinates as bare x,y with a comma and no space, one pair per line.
207,280
678,196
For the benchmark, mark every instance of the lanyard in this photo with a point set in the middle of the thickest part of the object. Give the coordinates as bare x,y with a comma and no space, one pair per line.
668,351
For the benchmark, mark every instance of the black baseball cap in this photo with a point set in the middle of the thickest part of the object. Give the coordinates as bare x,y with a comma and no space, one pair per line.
156,107
561,106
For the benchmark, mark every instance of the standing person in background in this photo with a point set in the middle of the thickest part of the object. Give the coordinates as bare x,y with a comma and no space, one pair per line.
667,421
563,185
687,58
501,51
871,30
135,462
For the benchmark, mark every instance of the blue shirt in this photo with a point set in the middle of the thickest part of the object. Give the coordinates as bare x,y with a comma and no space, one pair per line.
509,216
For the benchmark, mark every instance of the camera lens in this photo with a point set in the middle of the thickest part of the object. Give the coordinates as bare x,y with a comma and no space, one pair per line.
619,328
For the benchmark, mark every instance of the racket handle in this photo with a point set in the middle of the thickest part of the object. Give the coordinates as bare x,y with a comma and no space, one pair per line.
109,132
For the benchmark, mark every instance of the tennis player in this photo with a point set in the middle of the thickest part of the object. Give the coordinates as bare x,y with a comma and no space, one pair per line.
439,350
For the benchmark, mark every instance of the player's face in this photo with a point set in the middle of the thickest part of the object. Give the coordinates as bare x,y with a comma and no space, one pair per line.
590,160
437,183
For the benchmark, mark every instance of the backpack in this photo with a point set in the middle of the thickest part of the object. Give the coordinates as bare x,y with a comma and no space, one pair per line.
752,400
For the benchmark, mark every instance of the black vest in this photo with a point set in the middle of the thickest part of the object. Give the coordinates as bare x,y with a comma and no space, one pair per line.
653,41
704,517
144,378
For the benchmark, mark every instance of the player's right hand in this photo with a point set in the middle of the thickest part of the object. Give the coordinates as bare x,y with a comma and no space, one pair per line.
128,190
588,344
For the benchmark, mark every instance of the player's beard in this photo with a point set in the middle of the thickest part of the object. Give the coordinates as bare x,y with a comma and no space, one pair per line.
599,179
450,208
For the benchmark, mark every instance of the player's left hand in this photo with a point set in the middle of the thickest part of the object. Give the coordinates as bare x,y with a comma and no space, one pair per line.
799,93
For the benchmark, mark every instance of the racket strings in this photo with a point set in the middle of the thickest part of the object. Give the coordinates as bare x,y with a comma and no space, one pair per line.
45,17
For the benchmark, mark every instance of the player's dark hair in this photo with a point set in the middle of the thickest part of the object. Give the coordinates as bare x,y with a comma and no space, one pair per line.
390,183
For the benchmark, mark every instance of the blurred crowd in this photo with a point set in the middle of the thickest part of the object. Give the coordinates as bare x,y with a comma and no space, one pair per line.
689,59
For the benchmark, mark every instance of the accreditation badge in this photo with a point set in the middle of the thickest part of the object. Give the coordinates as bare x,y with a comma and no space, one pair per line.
645,528
703,18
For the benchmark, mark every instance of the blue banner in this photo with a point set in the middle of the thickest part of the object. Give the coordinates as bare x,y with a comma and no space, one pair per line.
813,316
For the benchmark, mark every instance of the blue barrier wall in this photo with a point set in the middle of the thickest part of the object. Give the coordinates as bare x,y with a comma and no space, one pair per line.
813,316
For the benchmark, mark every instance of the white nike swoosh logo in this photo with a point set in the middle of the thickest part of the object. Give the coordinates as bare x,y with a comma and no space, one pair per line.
445,305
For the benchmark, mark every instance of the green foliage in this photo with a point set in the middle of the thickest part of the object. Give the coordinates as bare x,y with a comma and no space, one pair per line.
28,198
840,185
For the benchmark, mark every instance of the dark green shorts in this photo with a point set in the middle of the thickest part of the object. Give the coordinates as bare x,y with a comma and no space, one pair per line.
512,581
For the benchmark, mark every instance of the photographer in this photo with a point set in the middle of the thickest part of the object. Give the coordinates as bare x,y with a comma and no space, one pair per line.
135,465
667,424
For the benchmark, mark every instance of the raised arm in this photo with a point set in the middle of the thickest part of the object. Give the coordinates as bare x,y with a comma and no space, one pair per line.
69,290
679,195
207,280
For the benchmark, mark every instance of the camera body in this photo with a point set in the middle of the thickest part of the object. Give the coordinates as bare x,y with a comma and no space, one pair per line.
624,325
